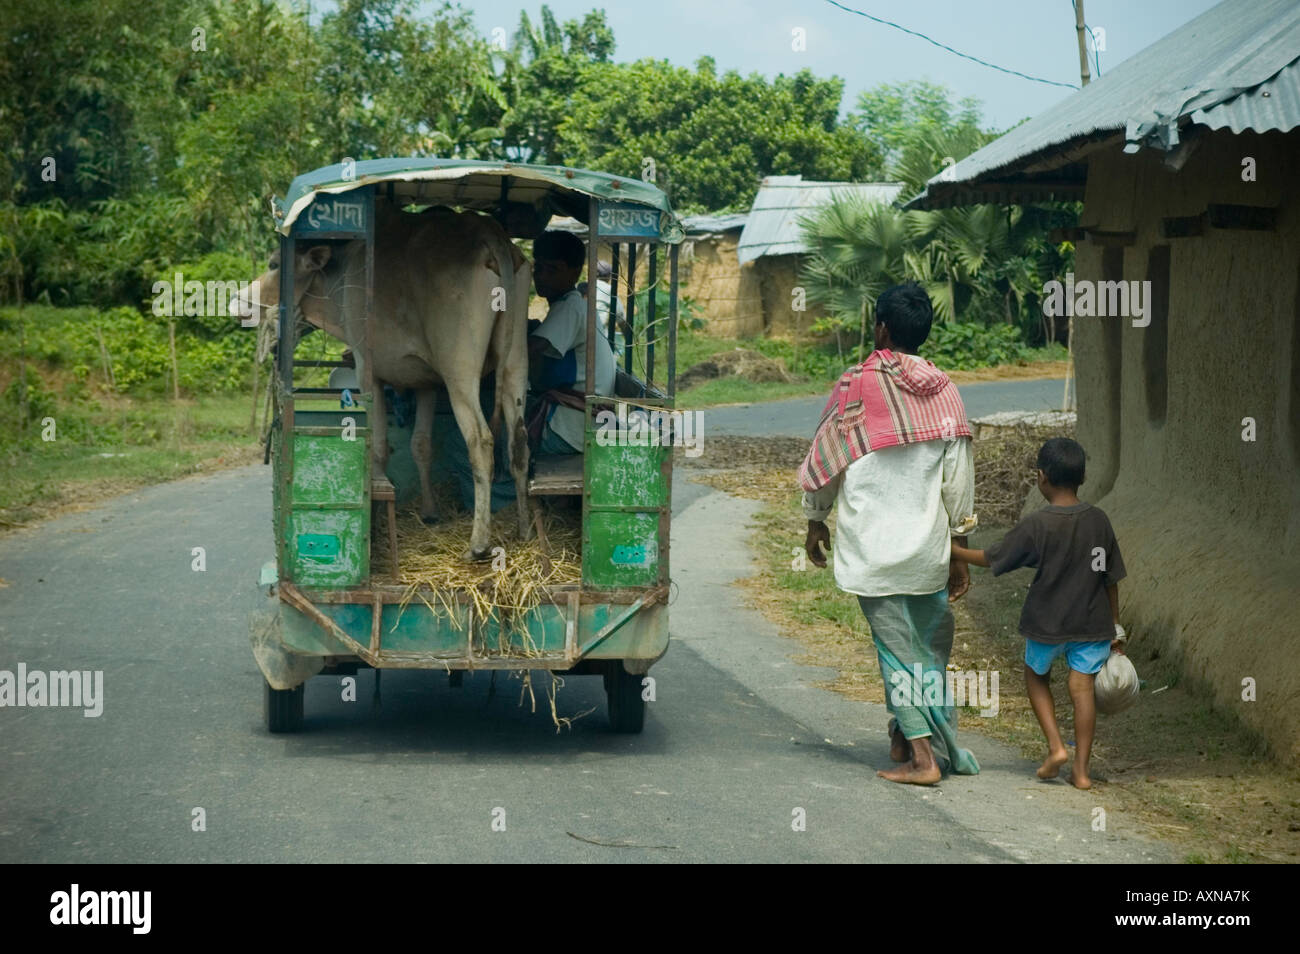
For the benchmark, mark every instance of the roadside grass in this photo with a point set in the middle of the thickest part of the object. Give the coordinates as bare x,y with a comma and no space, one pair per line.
816,371
118,444
736,390
1186,772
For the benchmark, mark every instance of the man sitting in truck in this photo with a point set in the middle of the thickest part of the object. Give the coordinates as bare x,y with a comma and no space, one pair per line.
557,348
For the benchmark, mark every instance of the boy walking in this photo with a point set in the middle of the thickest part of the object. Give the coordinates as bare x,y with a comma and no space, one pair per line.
1073,604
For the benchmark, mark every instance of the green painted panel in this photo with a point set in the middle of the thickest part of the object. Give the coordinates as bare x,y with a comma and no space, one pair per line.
620,549
622,476
347,563
329,469
644,636
540,631
416,628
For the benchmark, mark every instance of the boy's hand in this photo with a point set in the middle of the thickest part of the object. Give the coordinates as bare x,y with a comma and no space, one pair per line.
958,580
818,542
1117,646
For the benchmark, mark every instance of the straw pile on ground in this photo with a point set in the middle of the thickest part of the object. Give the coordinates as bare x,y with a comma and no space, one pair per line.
1004,469
517,578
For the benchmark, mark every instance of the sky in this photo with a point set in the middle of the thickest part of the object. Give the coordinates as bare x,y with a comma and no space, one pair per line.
1033,36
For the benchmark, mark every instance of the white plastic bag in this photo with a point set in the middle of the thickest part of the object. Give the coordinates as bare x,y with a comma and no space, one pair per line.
1117,685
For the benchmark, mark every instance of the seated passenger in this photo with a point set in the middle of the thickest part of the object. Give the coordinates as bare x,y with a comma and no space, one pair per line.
557,348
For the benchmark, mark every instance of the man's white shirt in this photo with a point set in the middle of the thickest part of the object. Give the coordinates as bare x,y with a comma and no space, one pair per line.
898,509
565,329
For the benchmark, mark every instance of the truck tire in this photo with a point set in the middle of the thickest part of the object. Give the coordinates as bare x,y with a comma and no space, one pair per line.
284,708
626,707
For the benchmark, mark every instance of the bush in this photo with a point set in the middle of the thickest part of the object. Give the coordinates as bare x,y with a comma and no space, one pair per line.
40,399
817,361
137,349
963,346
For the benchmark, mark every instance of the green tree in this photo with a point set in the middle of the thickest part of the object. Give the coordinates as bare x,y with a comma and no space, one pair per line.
544,70
712,138
891,115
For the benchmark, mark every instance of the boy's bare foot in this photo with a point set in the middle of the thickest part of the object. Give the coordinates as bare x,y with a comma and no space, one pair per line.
1051,766
1079,778
900,750
910,774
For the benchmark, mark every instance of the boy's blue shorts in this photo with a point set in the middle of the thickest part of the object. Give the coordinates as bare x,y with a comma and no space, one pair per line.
1085,657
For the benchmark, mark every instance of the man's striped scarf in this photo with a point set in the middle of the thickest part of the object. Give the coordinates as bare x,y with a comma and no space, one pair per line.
888,400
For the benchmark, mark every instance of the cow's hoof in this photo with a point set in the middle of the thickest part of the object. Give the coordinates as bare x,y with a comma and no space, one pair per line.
428,519
476,556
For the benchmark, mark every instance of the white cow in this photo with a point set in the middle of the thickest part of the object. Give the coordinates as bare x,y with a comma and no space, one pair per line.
450,305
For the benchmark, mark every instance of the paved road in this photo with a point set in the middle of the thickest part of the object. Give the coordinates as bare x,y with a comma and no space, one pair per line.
798,417
737,741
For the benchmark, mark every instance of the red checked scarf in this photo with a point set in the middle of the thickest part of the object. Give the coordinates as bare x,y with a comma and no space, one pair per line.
888,400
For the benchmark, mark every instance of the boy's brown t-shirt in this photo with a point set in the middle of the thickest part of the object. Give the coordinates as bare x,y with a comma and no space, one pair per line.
1077,556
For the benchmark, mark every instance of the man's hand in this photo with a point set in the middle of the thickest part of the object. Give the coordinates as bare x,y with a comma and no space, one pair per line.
958,580
818,542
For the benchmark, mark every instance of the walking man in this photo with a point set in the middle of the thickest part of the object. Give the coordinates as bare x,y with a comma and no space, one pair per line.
894,451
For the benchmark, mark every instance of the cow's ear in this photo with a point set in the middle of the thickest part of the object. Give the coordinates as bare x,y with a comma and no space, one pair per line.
316,257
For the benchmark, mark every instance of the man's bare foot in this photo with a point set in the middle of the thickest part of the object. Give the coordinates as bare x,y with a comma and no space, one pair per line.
1051,766
912,775
1079,778
900,750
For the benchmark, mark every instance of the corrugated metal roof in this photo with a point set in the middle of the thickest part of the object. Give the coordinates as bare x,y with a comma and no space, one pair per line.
772,227
1274,105
695,224
1213,70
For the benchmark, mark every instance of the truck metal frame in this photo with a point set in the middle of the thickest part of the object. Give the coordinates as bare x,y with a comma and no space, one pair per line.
330,615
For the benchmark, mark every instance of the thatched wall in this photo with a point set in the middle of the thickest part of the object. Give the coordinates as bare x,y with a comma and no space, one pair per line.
778,277
727,294
1209,523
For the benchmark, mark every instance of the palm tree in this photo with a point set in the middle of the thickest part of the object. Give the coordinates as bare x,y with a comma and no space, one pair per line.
965,258
530,42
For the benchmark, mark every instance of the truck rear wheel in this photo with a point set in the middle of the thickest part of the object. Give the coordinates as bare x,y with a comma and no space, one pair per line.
626,707
284,708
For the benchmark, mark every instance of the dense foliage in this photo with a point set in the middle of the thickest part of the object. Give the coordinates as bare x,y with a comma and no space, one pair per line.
144,138
141,133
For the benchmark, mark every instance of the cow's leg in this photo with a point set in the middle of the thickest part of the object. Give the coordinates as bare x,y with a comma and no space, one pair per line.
378,418
463,393
426,404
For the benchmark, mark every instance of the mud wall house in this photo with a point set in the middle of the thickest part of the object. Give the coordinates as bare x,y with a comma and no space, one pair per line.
771,248
728,297
1186,158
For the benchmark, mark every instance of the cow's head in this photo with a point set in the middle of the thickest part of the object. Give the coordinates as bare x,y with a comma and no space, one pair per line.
308,283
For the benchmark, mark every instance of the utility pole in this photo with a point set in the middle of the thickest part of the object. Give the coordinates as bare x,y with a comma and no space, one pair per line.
1067,403
1080,29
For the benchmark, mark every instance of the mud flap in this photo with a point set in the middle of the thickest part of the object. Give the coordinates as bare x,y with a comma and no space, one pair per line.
282,669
